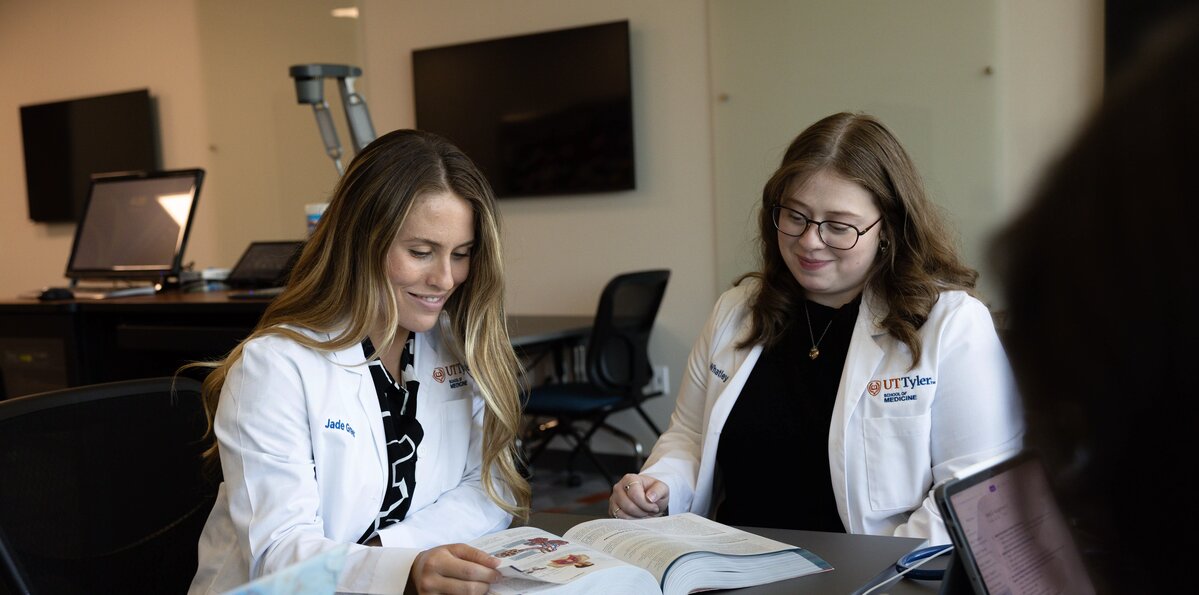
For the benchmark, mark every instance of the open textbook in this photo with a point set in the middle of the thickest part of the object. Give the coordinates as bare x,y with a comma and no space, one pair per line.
674,554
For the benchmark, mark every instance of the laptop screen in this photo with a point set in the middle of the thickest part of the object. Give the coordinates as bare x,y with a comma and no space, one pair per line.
264,264
135,226
1008,532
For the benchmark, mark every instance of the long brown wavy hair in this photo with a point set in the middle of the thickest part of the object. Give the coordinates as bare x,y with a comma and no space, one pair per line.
920,259
339,285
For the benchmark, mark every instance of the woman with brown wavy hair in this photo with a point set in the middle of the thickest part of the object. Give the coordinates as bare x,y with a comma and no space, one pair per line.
376,403
859,338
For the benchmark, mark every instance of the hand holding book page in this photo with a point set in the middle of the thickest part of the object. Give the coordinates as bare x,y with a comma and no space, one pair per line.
675,554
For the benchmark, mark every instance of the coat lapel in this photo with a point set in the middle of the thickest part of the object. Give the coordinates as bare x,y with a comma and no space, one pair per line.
863,360
353,377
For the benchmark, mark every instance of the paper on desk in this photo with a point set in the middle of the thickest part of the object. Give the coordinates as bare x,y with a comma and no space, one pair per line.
314,576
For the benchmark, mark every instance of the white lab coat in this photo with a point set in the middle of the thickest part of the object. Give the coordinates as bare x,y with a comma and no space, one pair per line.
302,449
894,432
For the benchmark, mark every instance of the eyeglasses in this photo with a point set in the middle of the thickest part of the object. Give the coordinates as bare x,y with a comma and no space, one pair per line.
834,234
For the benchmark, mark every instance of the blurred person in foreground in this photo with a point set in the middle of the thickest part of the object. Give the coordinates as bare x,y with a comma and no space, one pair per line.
1101,273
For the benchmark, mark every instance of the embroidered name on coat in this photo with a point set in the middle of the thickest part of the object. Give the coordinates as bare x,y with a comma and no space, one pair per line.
340,425
717,372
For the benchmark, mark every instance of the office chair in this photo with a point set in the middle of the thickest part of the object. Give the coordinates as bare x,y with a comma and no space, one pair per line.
618,369
103,488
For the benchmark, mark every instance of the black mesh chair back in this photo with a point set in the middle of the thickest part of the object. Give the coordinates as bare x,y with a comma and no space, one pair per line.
104,488
618,369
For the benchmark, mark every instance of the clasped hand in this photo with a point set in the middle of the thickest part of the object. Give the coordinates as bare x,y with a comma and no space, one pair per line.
638,497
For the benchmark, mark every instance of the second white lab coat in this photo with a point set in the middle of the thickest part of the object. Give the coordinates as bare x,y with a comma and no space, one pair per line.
302,449
895,432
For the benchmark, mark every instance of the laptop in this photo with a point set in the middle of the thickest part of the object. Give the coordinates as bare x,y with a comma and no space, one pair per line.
132,232
262,270
1009,536
264,264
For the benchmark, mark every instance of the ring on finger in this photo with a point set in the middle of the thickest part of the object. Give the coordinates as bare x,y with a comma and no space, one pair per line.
631,484
615,509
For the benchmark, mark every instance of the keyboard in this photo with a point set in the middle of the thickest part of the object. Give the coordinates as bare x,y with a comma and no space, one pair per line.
47,294
256,294
104,293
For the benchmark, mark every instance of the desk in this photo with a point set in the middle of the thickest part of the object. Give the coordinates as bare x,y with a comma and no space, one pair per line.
51,345
535,336
529,331
855,558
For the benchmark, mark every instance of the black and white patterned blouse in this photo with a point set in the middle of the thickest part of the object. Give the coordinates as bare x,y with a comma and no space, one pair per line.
403,433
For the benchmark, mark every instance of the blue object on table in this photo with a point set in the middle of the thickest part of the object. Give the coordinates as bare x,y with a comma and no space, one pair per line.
906,564
314,576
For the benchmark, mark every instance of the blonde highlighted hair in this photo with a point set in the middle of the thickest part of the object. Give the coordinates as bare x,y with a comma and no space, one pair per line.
340,285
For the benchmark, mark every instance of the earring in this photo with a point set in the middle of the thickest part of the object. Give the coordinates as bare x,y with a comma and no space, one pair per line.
882,245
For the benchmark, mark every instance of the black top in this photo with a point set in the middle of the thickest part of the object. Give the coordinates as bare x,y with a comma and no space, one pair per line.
397,403
777,432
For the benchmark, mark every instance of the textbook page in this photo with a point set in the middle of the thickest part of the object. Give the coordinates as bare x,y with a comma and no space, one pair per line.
688,549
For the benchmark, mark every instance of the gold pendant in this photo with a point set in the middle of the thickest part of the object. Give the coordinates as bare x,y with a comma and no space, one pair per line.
813,353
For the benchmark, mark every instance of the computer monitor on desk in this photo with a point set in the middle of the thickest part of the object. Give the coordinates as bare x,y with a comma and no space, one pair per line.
135,226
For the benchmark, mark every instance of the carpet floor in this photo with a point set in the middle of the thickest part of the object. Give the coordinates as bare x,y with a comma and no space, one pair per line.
552,492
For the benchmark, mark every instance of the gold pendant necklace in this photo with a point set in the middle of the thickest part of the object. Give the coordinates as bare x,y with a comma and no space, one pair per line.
814,352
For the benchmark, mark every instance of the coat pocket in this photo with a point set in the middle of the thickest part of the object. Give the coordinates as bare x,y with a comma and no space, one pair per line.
898,463
446,449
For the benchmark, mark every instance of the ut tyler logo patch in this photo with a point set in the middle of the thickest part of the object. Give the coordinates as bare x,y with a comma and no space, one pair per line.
439,375
873,387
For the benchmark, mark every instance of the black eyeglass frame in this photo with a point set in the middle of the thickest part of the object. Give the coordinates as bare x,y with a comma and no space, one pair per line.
774,217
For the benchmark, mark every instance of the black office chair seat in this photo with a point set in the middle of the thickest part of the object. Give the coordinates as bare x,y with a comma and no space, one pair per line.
575,398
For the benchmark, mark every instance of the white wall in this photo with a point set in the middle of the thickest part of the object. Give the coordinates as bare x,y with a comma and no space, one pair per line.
1051,55
560,250
981,121
925,68
62,49
266,157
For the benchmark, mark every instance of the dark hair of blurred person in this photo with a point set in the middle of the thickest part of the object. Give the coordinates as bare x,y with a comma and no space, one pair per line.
1101,275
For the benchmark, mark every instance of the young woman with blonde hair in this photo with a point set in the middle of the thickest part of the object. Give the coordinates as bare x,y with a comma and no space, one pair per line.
376,404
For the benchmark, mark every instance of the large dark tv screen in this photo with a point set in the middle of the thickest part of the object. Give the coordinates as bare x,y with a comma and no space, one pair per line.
541,114
66,142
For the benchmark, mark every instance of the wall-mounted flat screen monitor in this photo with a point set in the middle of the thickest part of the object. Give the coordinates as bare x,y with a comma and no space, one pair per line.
135,226
541,114
66,142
